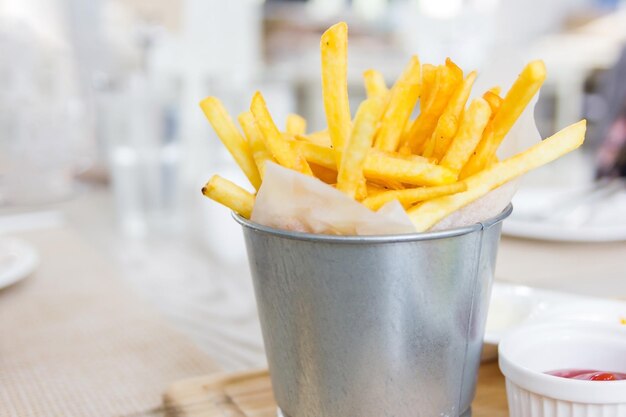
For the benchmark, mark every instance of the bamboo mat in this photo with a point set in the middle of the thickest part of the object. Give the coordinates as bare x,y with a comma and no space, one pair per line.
249,394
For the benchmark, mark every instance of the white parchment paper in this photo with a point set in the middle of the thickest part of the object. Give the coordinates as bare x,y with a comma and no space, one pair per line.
290,200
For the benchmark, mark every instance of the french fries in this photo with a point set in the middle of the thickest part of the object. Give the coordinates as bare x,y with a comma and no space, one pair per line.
428,81
320,138
438,162
327,175
296,124
334,51
381,166
350,176
566,140
448,123
317,154
231,138
496,89
255,140
446,80
404,95
375,84
229,194
514,103
277,145
411,196
470,131
494,100
385,184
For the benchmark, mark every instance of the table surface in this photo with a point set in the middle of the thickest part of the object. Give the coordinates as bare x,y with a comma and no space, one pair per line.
197,305
76,342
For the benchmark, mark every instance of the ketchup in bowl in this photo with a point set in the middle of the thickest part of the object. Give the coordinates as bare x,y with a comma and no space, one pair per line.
588,375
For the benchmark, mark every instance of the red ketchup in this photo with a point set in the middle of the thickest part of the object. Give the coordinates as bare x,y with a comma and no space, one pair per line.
588,375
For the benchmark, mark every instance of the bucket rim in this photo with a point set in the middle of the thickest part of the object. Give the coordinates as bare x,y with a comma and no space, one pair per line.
365,239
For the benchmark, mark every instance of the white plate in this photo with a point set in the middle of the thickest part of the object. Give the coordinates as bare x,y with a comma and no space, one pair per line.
600,220
514,305
18,259
562,233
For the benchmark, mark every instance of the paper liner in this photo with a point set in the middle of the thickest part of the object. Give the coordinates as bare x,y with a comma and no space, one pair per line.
293,201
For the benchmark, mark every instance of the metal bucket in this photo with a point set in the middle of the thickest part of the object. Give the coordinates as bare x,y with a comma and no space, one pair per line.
373,326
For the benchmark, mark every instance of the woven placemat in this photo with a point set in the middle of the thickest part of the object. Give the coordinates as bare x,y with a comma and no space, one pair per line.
76,342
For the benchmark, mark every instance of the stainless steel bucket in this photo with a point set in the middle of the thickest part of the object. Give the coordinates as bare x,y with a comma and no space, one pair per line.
373,326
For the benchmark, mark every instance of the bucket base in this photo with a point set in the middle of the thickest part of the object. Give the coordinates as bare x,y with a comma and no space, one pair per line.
467,413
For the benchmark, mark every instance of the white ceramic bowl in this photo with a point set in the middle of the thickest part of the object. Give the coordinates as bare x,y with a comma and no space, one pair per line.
527,353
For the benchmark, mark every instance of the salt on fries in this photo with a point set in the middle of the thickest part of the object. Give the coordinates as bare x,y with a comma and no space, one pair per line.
434,164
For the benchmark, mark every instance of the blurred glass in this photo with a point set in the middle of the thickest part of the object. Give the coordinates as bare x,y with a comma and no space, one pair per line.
464,30
42,135
138,122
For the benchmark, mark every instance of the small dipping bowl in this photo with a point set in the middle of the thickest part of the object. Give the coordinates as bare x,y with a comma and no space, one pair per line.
525,355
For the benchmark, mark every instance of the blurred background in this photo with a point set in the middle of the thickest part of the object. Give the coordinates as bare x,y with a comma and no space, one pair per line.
100,127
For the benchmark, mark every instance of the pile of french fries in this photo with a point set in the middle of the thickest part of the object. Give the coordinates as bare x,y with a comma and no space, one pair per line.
433,164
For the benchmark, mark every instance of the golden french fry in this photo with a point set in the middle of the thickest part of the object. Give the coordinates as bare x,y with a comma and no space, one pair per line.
361,191
372,189
316,154
231,138
404,96
514,103
324,156
334,51
428,82
255,140
319,138
456,70
375,85
430,212
496,89
406,157
296,124
494,100
280,148
448,123
350,175
386,184
327,175
423,127
411,196
229,194
381,166
470,131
